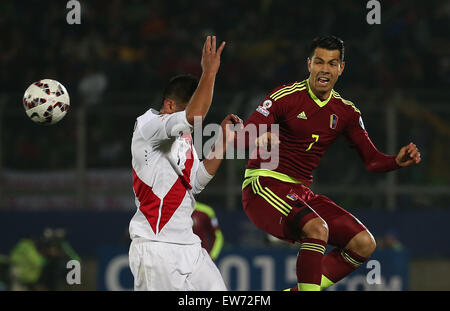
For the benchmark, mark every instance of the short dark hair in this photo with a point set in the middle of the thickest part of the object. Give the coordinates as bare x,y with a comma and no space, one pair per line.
328,43
180,88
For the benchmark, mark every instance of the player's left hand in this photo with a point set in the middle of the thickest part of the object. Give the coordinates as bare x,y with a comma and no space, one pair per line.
266,140
408,155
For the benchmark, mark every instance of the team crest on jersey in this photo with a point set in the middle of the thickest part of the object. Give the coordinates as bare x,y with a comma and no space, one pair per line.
292,196
333,121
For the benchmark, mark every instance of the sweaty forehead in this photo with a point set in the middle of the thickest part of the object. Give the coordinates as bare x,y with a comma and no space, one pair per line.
326,55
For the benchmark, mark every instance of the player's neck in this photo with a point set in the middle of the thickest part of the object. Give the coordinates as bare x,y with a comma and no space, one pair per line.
320,95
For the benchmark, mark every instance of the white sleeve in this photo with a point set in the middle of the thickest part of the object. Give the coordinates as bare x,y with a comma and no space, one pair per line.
201,179
162,126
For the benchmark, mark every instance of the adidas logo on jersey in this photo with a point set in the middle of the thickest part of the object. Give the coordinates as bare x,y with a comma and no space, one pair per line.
302,115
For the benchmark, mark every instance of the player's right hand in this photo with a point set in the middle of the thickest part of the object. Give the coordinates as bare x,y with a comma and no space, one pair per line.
210,56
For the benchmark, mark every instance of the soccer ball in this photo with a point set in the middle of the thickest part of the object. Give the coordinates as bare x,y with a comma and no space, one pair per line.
46,101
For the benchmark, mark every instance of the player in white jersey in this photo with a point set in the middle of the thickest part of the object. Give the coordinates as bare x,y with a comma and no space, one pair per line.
164,253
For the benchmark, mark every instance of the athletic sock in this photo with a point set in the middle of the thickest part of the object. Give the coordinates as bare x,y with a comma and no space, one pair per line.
309,264
337,264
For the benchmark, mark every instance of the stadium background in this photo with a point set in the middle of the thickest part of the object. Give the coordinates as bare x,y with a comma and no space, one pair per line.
75,176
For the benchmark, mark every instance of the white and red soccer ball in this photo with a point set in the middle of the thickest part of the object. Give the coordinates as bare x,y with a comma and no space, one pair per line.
46,101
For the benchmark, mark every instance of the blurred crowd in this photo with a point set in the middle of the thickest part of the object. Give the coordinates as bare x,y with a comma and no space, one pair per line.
123,53
139,44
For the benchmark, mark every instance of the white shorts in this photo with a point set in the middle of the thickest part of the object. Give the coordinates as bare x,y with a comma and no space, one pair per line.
160,266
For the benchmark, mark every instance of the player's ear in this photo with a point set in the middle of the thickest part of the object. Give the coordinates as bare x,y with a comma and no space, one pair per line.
169,105
308,62
341,67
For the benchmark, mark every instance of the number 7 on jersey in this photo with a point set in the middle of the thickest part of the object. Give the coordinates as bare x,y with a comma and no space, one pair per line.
316,139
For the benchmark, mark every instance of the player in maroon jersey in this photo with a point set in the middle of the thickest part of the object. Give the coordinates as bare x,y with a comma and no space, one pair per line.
311,115
206,226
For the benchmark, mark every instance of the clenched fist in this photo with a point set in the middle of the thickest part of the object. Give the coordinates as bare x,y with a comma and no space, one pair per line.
408,155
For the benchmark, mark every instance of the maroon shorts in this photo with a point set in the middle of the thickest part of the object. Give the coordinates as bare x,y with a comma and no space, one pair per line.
282,209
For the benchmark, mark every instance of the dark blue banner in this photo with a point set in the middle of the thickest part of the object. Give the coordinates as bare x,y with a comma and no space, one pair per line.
269,269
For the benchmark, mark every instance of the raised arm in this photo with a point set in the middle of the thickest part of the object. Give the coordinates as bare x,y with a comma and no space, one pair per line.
202,97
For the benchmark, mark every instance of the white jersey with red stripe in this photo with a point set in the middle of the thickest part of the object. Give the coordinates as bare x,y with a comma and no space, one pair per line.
163,197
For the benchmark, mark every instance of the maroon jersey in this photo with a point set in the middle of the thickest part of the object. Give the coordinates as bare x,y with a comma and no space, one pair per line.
308,127
204,229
